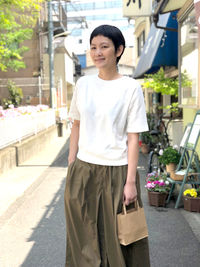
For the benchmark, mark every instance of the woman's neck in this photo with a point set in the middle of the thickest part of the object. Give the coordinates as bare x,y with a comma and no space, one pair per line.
109,75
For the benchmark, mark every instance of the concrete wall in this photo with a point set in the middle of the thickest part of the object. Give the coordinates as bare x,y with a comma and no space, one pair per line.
18,153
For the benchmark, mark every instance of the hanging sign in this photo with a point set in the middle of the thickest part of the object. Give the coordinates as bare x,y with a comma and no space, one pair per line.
137,8
197,10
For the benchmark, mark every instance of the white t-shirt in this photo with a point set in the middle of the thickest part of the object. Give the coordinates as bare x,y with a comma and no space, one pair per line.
107,110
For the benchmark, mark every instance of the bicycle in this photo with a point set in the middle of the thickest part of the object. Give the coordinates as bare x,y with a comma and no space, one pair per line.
159,141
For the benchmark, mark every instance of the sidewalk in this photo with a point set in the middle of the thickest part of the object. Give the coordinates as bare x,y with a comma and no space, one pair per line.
192,218
15,182
174,235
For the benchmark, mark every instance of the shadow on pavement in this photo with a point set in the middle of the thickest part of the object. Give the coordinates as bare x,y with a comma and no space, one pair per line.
61,158
49,235
172,242
58,161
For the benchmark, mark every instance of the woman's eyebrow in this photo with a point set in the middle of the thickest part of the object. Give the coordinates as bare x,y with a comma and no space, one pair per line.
103,43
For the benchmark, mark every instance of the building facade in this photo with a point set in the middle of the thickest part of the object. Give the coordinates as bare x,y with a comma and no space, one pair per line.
35,78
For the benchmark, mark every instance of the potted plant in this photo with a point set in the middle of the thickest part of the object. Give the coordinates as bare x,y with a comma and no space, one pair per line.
191,199
158,188
170,158
145,139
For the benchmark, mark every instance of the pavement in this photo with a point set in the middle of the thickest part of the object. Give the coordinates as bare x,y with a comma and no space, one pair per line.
14,183
192,218
174,234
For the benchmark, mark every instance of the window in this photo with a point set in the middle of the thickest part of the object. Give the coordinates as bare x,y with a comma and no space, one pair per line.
140,42
188,61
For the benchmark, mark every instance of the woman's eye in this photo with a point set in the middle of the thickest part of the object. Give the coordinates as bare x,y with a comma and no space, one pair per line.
92,48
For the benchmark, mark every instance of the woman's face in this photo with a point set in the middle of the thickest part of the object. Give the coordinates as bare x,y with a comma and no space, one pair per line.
102,52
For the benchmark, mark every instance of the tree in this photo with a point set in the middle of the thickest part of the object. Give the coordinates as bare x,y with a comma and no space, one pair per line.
161,84
15,95
17,19
164,85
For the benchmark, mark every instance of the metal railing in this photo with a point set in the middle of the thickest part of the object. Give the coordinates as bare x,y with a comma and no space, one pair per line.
15,129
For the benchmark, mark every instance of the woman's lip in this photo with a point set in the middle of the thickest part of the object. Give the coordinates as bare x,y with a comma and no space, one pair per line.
99,59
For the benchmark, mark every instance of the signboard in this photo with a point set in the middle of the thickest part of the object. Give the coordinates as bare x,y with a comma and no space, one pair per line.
137,8
197,10
194,134
173,5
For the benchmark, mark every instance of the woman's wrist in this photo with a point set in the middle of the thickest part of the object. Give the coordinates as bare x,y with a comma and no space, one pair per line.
131,181
71,159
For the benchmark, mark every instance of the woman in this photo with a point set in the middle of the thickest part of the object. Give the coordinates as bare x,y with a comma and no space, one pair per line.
109,113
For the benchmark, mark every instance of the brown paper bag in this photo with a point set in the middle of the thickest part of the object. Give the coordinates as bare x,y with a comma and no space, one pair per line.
131,225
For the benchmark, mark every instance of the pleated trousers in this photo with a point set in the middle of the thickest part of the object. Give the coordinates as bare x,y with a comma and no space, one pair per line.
93,198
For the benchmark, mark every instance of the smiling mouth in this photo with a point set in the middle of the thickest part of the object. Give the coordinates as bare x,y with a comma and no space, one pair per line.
99,59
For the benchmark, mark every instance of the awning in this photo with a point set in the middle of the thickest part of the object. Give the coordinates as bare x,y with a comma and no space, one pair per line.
161,47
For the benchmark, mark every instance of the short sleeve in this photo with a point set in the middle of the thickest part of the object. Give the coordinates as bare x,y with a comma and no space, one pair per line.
73,112
137,120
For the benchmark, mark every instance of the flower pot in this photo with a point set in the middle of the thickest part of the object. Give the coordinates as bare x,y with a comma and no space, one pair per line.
157,199
176,177
191,203
170,167
145,148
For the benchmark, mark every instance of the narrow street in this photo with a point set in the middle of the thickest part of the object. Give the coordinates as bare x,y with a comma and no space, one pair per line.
34,233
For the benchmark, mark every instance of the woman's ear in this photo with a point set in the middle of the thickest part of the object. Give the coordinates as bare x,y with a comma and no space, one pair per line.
120,50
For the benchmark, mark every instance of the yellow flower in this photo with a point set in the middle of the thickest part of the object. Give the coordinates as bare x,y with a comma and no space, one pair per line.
190,192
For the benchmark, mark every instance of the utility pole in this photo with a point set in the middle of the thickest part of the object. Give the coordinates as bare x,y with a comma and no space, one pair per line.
50,51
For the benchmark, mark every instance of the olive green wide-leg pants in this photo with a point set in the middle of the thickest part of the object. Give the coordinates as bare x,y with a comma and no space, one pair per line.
93,197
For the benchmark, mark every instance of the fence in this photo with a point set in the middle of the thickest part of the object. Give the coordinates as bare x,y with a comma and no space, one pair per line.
17,128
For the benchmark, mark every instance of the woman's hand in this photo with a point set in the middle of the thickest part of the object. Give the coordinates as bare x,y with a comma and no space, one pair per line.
130,193
73,146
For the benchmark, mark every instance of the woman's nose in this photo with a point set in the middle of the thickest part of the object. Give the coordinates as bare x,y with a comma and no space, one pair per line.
98,51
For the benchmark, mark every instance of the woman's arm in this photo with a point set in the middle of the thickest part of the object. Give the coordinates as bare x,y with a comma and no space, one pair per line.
130,191
74,137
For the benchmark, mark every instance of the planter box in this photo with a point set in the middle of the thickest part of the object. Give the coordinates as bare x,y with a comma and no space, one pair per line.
170,167
191,204
176,177
157,199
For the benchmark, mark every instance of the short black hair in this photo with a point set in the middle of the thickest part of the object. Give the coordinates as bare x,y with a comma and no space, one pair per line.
111,32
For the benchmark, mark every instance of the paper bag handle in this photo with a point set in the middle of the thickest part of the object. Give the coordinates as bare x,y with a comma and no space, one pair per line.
135,205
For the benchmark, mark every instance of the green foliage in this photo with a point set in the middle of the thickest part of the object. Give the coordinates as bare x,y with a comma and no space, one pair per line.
173,109
161,84
17,18
170,155
164,85
145,137
151,121
15,95
185,80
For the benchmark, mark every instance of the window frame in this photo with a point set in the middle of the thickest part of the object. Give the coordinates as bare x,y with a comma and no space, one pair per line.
182,16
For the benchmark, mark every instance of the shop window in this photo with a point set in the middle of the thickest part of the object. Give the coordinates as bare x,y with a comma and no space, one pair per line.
188,61
140,42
